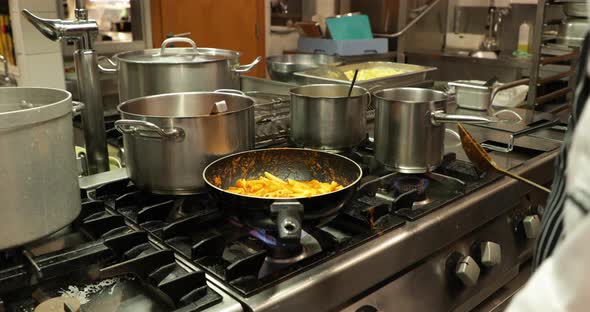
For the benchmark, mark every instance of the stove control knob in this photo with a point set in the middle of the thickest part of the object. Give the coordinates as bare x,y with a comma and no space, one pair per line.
467,271
491,254
532,226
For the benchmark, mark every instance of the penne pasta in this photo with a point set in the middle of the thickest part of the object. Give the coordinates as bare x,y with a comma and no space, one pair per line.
271,186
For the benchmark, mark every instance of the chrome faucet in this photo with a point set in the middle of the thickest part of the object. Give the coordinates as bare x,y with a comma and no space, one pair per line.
83,31
491,41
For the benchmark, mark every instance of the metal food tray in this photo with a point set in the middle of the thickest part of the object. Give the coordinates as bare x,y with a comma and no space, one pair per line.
412,74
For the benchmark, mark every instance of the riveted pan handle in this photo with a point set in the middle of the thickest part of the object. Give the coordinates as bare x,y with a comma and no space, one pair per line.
147,129
248,67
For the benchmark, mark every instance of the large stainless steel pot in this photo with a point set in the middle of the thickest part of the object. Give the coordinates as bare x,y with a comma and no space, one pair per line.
324,117
409,128
39,191
171,70
170,138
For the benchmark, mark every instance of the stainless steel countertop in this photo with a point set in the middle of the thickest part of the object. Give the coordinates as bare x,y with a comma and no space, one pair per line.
503,59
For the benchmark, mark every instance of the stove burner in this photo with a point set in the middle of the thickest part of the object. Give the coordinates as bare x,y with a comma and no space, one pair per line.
307,247
408,183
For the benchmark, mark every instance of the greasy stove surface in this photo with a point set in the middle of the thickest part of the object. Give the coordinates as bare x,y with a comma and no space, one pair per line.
104,265
241,257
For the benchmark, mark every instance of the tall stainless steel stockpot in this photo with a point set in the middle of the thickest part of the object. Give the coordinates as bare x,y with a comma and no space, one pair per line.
170,138
171,70
39,191
324,117
409,128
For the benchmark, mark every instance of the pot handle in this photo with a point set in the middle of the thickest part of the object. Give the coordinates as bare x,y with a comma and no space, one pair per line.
231,91
147,129
288,214
177,40
439,117
107,70
248,67
77,107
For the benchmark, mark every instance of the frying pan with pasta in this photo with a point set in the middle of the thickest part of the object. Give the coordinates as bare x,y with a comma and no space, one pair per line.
284,163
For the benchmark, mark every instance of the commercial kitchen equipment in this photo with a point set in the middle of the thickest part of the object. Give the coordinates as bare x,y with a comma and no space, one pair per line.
40,192
170,70
410,128
284,218
575,8
382,241
495,16
319,113
477,96
83,31
408,74
572,31
170,138
282,67
345,48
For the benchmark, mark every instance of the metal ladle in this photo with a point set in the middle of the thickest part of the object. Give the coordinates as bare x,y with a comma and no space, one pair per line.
484,162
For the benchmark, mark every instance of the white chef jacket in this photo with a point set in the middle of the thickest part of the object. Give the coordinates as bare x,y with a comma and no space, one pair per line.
562,282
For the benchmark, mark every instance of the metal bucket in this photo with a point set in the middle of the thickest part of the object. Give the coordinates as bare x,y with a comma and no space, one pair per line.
40,192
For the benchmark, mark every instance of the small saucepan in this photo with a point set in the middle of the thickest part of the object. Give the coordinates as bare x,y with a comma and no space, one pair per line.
409,128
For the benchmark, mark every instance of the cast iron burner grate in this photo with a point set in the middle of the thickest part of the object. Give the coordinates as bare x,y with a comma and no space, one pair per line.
99,248
245,258
417,184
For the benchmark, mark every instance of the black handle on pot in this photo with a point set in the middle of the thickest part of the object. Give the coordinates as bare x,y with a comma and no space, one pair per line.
288,214
147,129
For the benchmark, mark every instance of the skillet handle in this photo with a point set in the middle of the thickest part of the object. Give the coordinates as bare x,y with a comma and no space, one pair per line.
288,214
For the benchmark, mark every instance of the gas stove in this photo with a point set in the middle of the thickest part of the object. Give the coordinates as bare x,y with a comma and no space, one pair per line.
248,260
102,264
397,244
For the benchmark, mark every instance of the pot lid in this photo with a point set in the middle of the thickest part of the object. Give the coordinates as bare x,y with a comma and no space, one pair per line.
166,55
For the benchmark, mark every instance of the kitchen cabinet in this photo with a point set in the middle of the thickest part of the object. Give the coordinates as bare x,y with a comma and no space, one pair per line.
227,24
